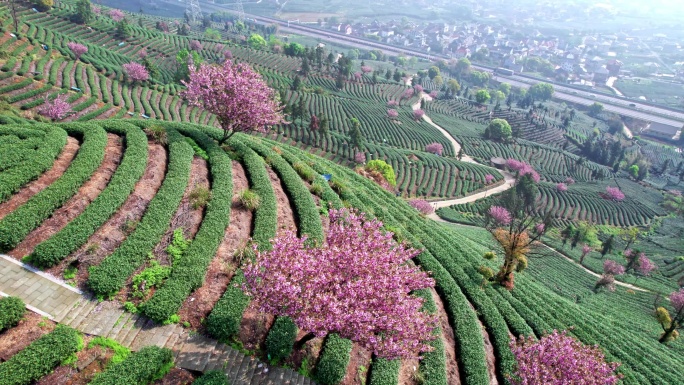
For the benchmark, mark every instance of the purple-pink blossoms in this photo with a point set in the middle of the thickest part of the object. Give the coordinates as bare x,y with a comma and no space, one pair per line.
423,206
434,148
77,49
136,72
392,113
55,109
500,215
614,193
357,284
116,15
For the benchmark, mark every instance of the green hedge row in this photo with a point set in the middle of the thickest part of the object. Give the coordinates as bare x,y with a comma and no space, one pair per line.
12,309
332,365
12,180
41,356
224,320
188,273
29,94
213,377
141,367
309,220
306,169
16,86
77,232
110,276
433,364
16,150
384,372
281,338
15,226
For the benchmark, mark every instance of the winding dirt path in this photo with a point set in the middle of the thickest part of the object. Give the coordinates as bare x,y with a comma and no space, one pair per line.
76,204
58,168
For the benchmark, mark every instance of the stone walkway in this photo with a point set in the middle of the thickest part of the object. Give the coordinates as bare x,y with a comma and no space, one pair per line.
62,303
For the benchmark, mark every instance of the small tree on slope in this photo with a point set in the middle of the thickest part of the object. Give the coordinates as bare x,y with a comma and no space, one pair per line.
670,323
357,284
236,94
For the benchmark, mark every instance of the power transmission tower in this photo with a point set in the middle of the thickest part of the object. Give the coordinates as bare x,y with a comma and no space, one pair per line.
240,10
194,12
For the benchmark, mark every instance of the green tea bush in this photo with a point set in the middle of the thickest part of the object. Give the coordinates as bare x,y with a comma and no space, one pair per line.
12,310
281,338
142,367
332,365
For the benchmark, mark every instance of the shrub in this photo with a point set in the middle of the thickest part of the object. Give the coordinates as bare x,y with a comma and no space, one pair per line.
224,320
199,197
249,199
12,310
281,338
142,367
212,377
385,169
332,365
384,372
41,356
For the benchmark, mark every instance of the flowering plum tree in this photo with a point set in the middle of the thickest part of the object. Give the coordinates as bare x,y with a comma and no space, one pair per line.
434,148
569,180
116,15
418,114
500,215
417,88
586,249
434,94
562,187
366,69
392,103
392,113
489,178
236,94
522,169
610,270
55,109
558,359
407,94
423,206
615,194
356,284
360,157
672,322
195,45
77,49
646,266
136,72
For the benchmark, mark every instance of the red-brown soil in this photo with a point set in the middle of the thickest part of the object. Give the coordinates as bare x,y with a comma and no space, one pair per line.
75,206
90,362
449,341
61,164
29,329
286,218
176,376
359,364
202,301
108,237
254,327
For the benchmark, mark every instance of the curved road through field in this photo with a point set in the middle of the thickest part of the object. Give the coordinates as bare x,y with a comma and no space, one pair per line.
509,181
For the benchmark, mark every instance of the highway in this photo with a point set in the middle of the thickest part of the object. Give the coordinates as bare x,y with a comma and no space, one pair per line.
619,105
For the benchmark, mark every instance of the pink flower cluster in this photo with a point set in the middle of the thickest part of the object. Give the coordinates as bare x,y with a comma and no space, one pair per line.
77,49
418,88
136,71
55,109
522,169
142,53
561,187
116,15
96,10
646,266
540,228
366,69
423,206
615,194
489,178
569,180
434,148
434,94
613,268
227,55
235,93
392,103
392,113
500,215
356,284
677,300
360,158
558,359
407,94
357,76
195,45
418,114
586,249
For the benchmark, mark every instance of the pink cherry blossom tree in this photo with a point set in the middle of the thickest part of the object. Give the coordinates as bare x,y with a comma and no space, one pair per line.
116,15
357,76
672,322
434,94
423,206
357,284
142,53
366,69
392,113
360,157
407,94
77,49
136,72
418,114
562,187
96,10
434,148
569,181
500,215
558,359
586,249
392,103
417,88
195,45
522,169
614,193
613,268
55,109
227,55
645,266
489,178
236,94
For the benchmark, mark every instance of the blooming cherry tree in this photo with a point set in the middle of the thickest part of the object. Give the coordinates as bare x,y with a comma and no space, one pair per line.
392,103
360,157
227,55
562,187
433,94
96,10
615,194
142,53
417,88
366,69
356,284
610,270
646,266
586,249
55,109
136,72
236,94
407,94
522,169
77,49
500,215
195,45
423,206
116,15
558,359
434,148
392,113
418,114
489,178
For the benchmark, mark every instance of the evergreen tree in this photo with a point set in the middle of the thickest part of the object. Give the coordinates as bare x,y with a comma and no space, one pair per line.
296,83
123,30
355,136
607,246
84,12
388,74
